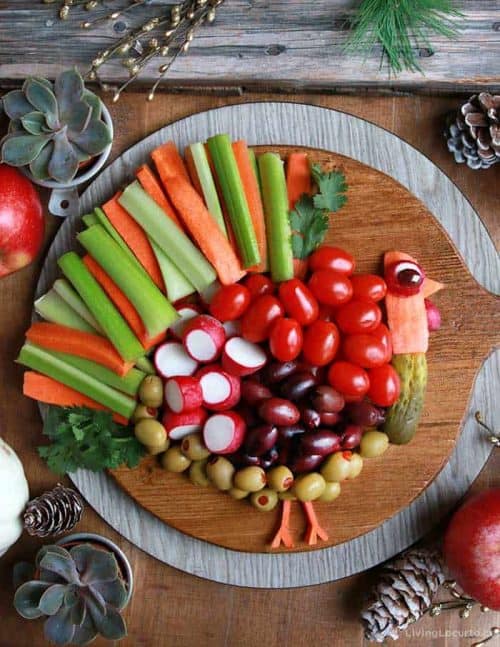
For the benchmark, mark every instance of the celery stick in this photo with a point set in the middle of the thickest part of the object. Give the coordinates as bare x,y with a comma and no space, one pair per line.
115,327
155,310
253,162
145,365
42,361
74,300
176,283
90,219
128,384
275,199
54,308
208,187
176,245
235,199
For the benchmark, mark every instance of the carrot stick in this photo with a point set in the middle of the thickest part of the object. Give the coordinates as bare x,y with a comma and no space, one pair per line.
197,219
123,304
169,163
45,389
252,194
314,530
298,177
283,534
191,167
76,342
135,237
152,187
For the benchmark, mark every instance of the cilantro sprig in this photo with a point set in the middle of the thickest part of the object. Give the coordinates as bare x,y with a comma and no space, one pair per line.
309,218
84,438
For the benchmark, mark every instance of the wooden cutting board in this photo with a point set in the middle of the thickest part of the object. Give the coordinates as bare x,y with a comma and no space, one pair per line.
404,486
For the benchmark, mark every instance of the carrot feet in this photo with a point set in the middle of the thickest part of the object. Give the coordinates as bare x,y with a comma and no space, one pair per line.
283,535
314,530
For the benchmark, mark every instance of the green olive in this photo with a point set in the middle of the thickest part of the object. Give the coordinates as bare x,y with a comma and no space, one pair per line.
337,467
194,448
331,492
264,500
198,473
373,443
356,466
220,471
280,478
309,487
173,460
251,479
151,391
142,411
150,432
287,496
238,494
158,449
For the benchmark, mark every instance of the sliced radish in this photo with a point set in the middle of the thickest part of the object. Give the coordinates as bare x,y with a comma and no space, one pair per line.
179,425
221,391
241,357
209,292
232,328
171,359
183,393
186,313
224,432
204,338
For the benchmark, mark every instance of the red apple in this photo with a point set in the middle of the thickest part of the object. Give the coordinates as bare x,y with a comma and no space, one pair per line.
21,220
472,547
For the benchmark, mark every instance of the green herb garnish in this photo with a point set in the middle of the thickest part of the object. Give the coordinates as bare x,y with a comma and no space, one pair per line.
88,439
309,218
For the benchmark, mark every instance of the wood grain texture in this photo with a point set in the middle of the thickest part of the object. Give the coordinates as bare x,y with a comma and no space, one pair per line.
174,609
279,44
275,123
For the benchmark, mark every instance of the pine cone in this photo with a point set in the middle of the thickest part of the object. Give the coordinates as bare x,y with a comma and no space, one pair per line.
473,132
54,512
403,594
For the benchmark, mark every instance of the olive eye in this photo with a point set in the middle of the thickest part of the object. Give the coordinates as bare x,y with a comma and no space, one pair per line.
404,278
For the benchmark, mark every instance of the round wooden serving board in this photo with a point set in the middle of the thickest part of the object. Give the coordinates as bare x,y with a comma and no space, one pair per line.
380,215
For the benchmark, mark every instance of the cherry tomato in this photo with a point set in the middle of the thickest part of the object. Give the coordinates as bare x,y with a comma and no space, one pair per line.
383,334
368,286
332,258
321,342
364,350
230,302
257,320
299,302
285,340
349,379
358,316
259,284
326,313
385,385
330,288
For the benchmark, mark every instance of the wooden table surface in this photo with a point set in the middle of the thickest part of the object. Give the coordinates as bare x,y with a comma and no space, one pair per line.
290,45
173,609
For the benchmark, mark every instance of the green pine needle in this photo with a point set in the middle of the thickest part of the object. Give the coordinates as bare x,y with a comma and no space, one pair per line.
401,27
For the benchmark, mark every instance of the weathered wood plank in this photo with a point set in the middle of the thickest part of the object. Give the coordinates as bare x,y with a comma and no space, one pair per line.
276,44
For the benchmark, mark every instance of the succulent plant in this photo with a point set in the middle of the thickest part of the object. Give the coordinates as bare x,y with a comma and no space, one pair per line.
54,127
80,590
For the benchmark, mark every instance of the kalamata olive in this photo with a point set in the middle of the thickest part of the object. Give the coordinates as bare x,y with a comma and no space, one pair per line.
249,415
244,459
269,458
305,463
265,500
260,439
329,418
286,449
297,386
277,371
173,460
351,437
253,392
279,411
290,431
310,417
325,398
250,479
309,487
365,414
280,478
319,372
321,442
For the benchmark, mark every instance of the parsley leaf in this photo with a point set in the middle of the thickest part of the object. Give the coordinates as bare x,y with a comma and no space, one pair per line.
332,188
89,439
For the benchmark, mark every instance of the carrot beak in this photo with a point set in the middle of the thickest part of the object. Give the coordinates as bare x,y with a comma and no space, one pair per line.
430,287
